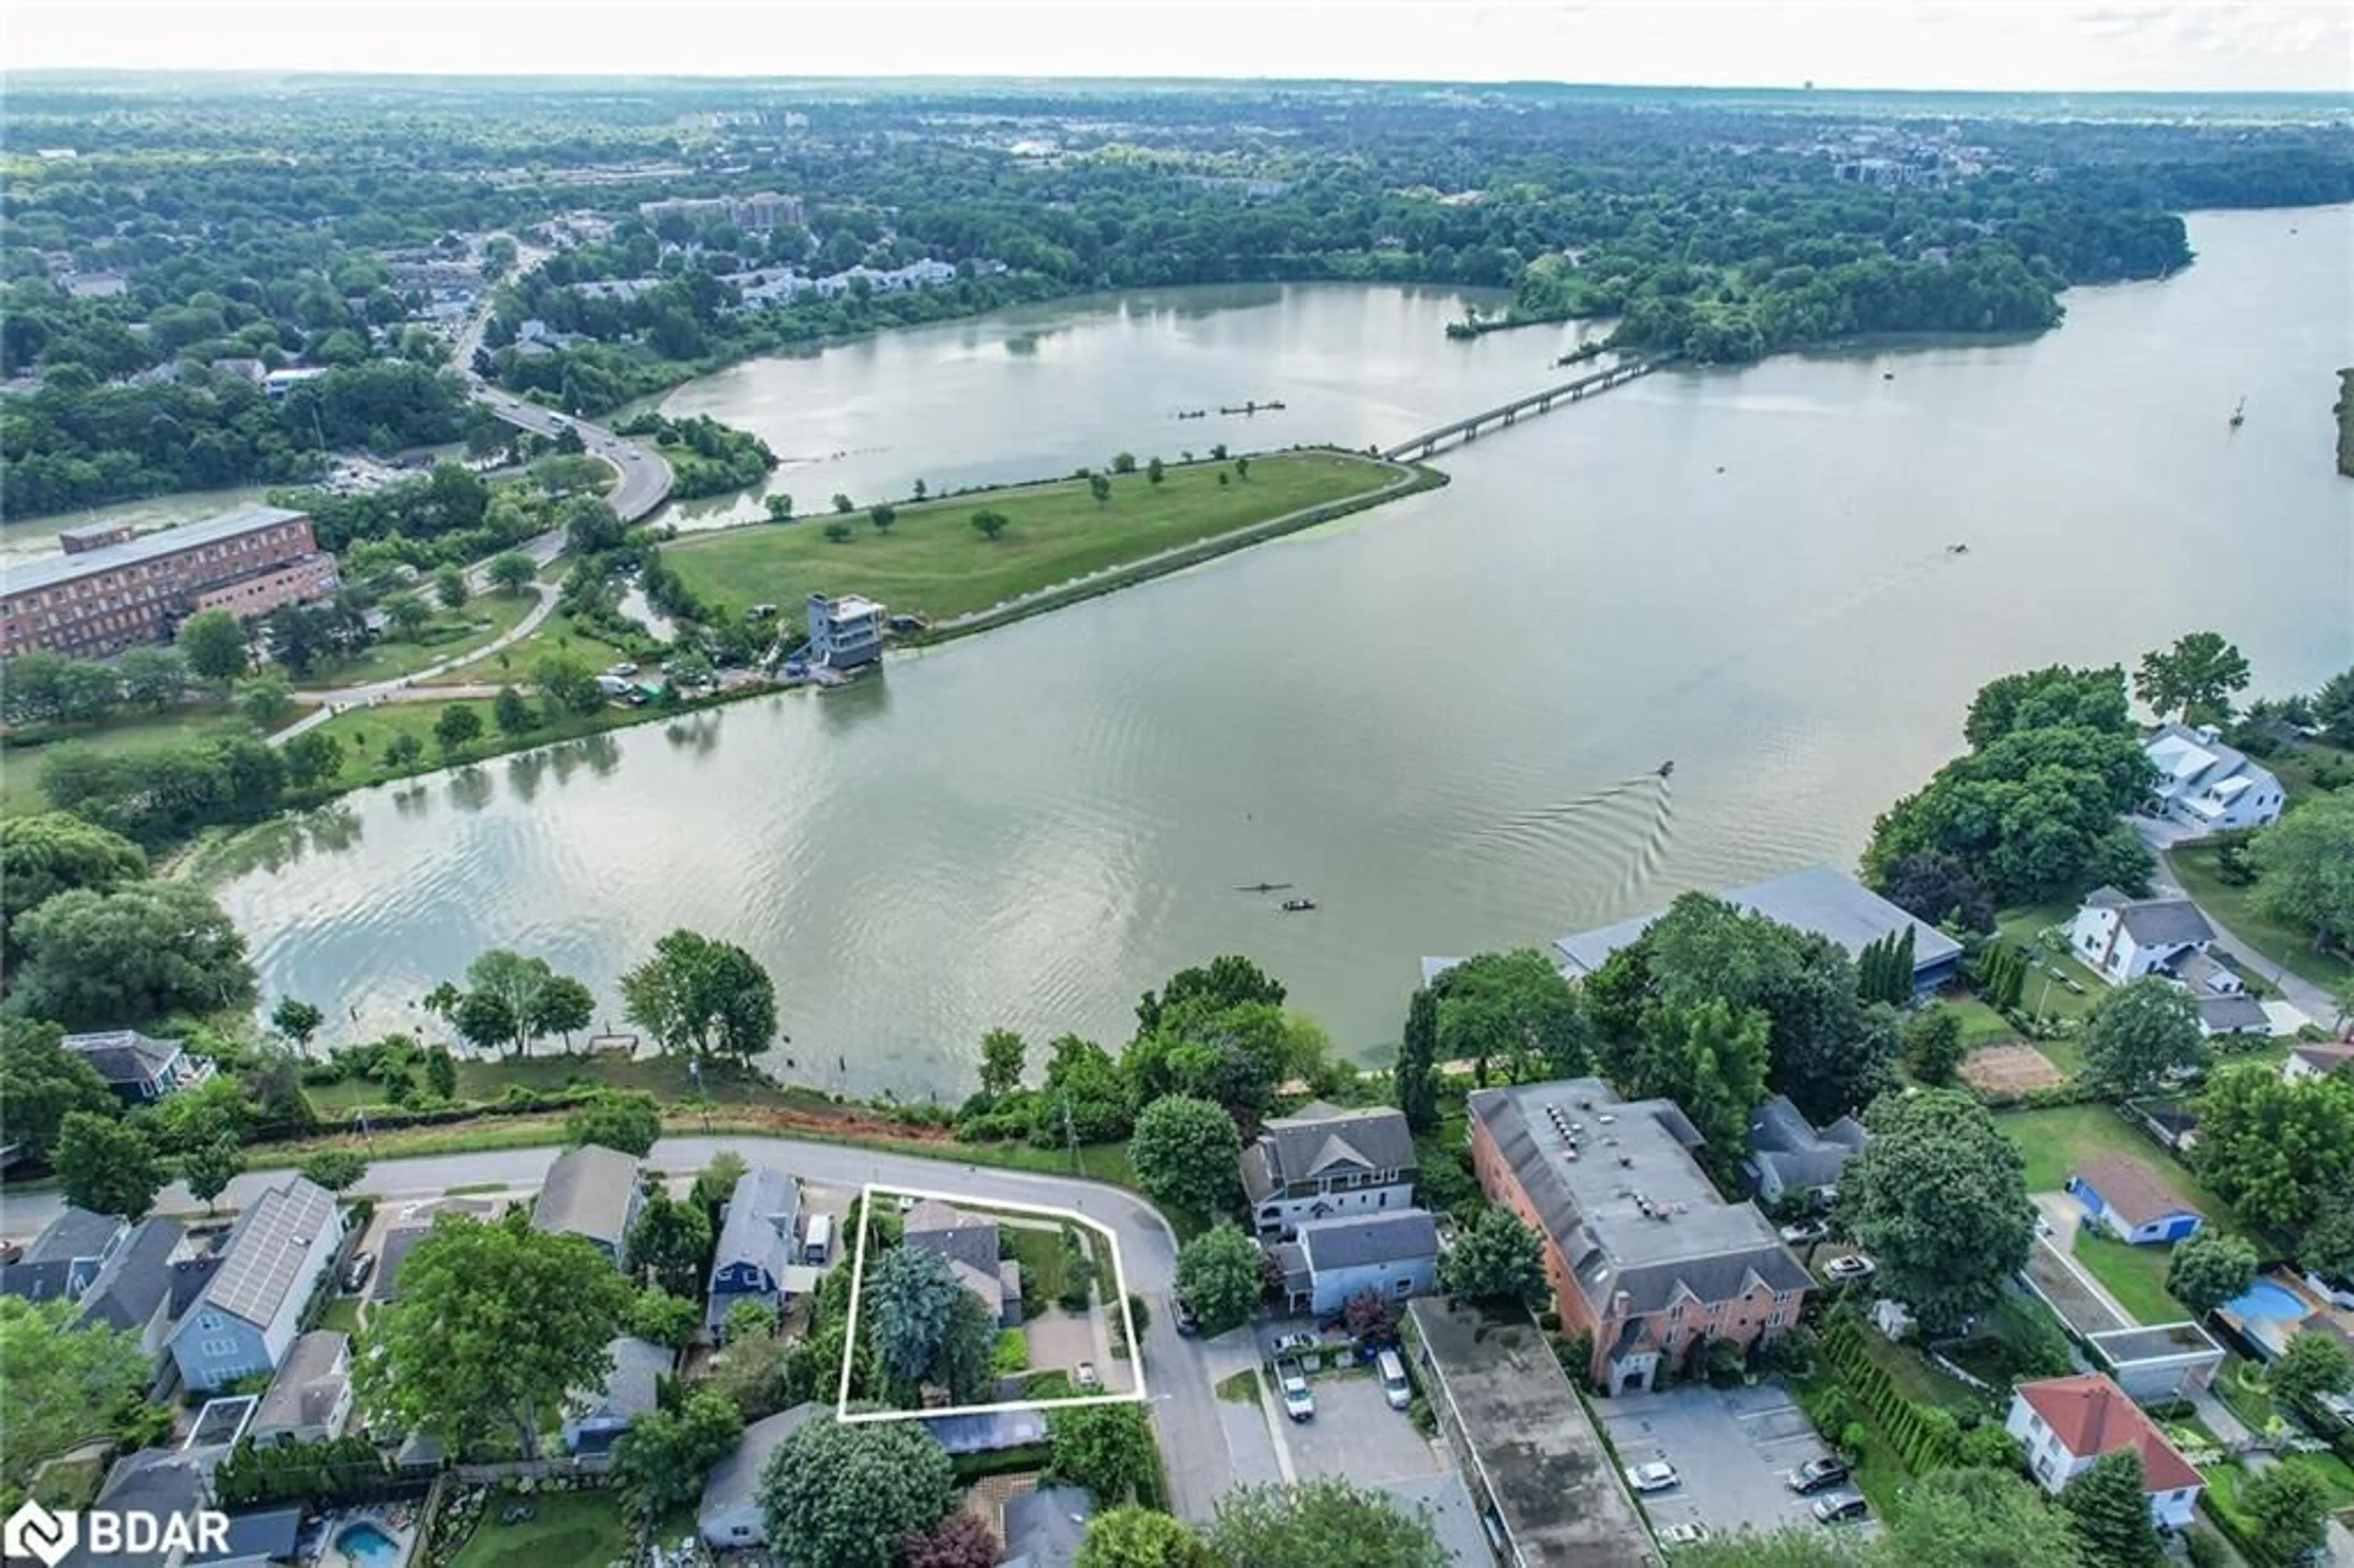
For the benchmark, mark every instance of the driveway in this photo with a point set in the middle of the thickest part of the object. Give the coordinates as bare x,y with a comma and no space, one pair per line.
1356,1436
2301,993
1732,1447
1177,1371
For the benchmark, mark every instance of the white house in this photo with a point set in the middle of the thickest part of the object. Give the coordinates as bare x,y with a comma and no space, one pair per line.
244,1319
1394,1256
2066,1423
1321,1162
2204,784
2122,939
2318,1061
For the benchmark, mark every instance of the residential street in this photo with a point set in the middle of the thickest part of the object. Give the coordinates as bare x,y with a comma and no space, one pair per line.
1177,1371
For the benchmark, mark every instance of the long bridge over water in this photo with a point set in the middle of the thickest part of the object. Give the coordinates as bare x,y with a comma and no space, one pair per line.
1542,402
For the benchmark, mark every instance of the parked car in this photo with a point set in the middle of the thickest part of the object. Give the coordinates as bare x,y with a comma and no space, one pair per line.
1853,1266
1806,1231
1816,1474
357,1274
1182,1316
1689,1534
1841,1507
624,669
1088,1382
1298,1402
1293,1343
1656,1476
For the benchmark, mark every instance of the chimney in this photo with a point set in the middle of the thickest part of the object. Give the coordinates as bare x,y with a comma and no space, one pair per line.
1619,1303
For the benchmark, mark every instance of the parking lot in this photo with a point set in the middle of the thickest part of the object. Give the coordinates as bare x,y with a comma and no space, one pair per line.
1732,1447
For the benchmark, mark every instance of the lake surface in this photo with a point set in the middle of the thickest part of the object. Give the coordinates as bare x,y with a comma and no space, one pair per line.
32,538
1441,719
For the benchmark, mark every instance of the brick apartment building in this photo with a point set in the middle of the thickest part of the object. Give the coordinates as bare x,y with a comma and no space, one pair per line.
111,591
1639,1249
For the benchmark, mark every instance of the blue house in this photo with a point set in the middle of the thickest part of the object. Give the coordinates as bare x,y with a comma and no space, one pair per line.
1393,1255
756,1245
2127,1198
844,633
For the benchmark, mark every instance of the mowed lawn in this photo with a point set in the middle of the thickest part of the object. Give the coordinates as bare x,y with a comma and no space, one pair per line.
20,765
2234,906
931,562
565,1527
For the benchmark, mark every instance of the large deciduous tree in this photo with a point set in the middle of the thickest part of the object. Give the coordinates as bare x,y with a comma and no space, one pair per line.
495,1323
2288,1506
334,1168
1003,1053
1972,1519
659,1464
2276,1150
2314,1363
2197,674
1705,1057
1933,1045
2138,1034
1497,1258
670,1241
2304,869
106,1166
1186,1152
1141,1537
626,1119
1939,1198
129,956
1324,1521
707,996
845,1495
51,852
1515,1008
1107,1448
1224,982
2208,1269
960,1541
215,646
59,1385
1937,887
1218,1277
42,1083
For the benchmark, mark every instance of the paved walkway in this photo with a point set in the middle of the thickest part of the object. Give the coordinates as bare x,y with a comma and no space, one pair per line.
327,701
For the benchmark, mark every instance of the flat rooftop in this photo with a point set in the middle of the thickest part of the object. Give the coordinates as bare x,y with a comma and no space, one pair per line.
51,571
1534,1451
1820,898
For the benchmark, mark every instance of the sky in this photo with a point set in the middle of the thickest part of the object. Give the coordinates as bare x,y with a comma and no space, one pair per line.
1994,45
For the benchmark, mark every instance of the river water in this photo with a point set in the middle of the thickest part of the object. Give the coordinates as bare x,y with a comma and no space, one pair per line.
1441,719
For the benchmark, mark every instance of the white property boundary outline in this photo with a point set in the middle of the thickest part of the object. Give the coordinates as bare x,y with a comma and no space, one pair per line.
841,1411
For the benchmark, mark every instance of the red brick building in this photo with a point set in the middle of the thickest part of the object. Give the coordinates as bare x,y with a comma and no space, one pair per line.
109,593
1639,1249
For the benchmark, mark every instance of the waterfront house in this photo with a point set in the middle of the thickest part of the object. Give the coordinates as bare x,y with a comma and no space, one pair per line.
968,1244
2204,784
756,1245
2121,939
244,1318
845,632
1639,1251
1321,1162
1820,899
594,1417
729,1516
1393,1255
592,1191
2128,1198
310,1400
1787,1155
139,1069
2066,1423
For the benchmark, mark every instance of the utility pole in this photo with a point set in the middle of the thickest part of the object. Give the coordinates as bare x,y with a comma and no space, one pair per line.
1070,1135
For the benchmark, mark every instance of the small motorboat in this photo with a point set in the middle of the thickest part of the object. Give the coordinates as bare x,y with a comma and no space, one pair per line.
1888,376
1957,549
2240,414
1664,768
1295,906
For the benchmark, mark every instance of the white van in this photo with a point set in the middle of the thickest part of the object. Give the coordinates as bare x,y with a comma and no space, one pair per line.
817,1247
1395,1388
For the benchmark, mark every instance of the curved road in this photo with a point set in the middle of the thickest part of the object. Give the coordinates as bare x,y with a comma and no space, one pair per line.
1178,1372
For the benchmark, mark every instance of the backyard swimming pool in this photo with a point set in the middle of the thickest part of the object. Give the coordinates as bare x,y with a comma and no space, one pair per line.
2266,1299
368,1546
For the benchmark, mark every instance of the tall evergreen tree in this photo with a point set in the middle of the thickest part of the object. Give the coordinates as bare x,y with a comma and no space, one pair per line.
1415,1079
2109,1513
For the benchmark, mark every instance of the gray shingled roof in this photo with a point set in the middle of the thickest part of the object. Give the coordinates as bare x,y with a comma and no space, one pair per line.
124,1055
1634,1212
1781,1136
734,1482
959,1237
137,1279
1400,1236
264,1255
2229,1014
588,1192
2165,922
1043,1527
1820,898
634,1385
50,570
1320,1137
758,1229
75,1233
310,1381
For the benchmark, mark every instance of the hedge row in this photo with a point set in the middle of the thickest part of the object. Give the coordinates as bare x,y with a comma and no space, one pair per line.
1926,1438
